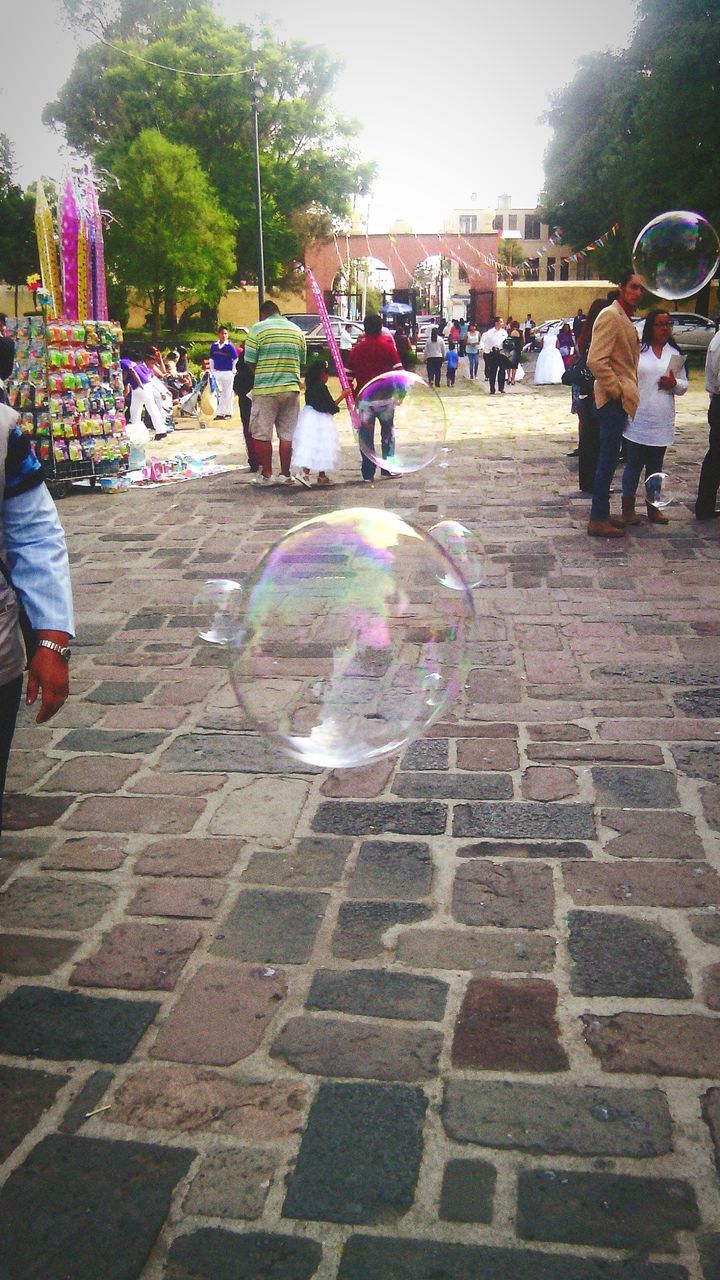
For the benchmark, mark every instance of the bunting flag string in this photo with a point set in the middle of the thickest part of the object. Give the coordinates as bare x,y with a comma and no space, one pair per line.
600,243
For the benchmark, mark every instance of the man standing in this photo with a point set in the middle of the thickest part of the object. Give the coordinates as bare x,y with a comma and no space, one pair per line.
345,343
578,323
275,348
529,328
496,364
374,354
710,470
223,358
613,359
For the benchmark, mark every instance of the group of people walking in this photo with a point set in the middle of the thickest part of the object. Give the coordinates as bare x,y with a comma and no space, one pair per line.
500,346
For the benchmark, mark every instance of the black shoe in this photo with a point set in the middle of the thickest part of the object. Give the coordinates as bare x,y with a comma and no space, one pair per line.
160,435
710,515
575,453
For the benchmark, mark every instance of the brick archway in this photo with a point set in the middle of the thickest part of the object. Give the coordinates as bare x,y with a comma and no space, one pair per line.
401,253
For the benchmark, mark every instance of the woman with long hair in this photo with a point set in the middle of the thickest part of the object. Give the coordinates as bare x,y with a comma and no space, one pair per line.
661,377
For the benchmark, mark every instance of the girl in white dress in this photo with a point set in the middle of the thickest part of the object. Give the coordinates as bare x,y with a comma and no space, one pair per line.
316,446
550,366
661,377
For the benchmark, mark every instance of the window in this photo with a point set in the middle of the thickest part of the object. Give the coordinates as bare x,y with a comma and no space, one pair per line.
532,270
564,269
497,224
512,222
551,268
462,274
532,227
468,223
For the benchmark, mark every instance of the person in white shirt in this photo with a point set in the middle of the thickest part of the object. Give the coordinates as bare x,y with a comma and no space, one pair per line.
661,377
710,471
495,363
433,355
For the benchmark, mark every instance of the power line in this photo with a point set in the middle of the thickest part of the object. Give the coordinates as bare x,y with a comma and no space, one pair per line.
179,71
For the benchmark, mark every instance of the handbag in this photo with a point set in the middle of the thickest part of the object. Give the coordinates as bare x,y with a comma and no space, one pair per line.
578,375
27,629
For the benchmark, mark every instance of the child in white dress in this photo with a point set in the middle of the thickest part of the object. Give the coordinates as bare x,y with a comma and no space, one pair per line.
316,446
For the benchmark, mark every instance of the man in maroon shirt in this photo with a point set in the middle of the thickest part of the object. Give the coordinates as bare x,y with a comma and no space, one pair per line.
374,354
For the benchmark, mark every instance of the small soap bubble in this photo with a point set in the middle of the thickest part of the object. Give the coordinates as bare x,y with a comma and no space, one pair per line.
215,609
344,654
658,490
465,552
402,422
676,254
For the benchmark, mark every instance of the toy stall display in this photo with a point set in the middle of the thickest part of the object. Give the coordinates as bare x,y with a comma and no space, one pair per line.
67,387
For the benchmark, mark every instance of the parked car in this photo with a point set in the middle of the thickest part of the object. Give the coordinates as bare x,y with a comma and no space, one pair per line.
311,326
548,326
691,332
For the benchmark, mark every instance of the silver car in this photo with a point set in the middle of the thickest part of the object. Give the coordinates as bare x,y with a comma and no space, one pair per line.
691,332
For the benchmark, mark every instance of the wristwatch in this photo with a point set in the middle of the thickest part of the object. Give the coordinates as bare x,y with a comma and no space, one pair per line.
63,650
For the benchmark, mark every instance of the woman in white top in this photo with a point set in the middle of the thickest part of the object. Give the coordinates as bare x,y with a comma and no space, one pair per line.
433,355
661,377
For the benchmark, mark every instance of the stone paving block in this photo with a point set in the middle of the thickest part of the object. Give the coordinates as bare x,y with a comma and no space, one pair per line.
505,951
229,753
87,1207
263,809
46,902
91,774
214,1254
524,849
118,692
365,1050
617,955
361,925
702,703
360,1154
481,754
472,729
710,800
528,821
557,733
314,862
384,1258
706,926
87,853
709,1248
193,899
232,1183
24,812
426,753
698,760
116,742
453,786
507,894
508,1024
635,788
392,870
420,818
139,957
86,1101
659,1044
594,752
642,835
41,1023
30,954
468,1189
548,783
221,1016
362,783
710,1105
638,1213
377,993
136,813
200,856
155,783
556,1119
182,1099
24,1098
271,925
646,884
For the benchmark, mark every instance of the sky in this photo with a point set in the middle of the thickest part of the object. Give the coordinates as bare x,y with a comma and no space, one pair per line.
448,97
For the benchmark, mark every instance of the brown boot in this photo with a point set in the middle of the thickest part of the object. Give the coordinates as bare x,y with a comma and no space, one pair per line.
655,515
618,521
604,529
630,515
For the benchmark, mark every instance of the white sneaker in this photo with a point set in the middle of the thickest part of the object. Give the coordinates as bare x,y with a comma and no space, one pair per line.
281,479
262,480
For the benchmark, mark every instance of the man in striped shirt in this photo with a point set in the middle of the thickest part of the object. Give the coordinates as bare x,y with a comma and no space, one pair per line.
275,349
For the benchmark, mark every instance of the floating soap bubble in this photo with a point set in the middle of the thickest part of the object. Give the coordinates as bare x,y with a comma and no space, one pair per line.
350,647
658,490
215,609
402,422
676,254
464,551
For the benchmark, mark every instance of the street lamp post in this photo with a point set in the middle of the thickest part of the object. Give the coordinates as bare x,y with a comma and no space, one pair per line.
510,236
257,92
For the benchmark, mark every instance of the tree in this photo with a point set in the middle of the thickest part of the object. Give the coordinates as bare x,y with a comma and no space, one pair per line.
170,230
635,132
18,242
309,167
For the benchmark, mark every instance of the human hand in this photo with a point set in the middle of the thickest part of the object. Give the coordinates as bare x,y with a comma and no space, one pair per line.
667,382
49,676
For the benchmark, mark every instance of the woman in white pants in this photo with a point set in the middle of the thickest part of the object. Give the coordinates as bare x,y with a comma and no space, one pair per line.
137,380
223,358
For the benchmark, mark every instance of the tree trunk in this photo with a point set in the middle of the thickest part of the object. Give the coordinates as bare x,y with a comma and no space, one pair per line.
17,290
155,300
171,319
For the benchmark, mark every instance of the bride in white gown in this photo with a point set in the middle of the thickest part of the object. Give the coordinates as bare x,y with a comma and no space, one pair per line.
550,367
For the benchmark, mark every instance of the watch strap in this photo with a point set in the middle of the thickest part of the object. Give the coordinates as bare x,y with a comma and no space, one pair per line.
62,649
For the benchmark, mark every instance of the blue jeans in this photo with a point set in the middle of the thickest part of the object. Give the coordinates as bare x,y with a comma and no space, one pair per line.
473,360
649,456
612,420
368,417
9,707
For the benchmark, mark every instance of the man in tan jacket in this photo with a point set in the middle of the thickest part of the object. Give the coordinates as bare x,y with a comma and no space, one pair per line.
613,359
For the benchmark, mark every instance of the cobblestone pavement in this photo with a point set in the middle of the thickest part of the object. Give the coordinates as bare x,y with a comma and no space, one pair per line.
449,1017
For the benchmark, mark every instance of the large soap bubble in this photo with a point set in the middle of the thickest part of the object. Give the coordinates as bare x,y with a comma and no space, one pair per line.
215,610
676,254
659,490
402,422
350,647
464,551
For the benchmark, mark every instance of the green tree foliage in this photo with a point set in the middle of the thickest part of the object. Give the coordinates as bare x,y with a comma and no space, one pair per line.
170,230
309,168
18,243
635,133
